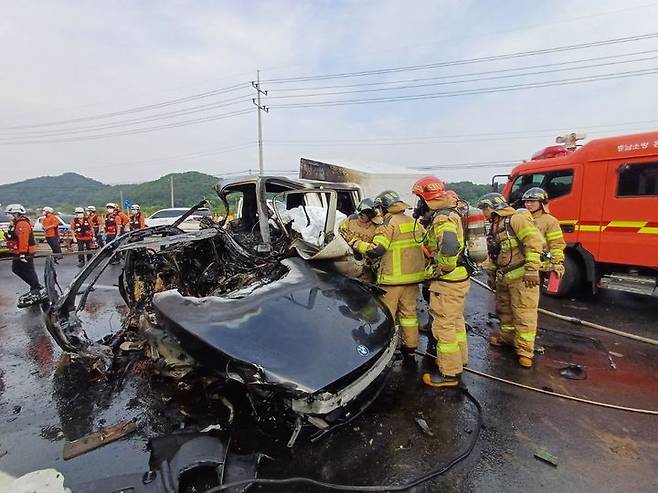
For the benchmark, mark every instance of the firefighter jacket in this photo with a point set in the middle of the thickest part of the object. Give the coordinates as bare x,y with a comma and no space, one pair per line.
445,242
95,221
112,224
515,243
20,237
353,228
137,221
554,243
50,225
402,260
82,229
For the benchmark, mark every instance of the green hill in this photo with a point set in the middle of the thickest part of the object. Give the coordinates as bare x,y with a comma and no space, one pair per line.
64,192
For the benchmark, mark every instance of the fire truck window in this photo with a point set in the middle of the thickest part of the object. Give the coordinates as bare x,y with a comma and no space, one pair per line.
558,184
638,180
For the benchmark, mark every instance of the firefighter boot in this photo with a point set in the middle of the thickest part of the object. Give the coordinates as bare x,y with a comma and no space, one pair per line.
525,362
434,378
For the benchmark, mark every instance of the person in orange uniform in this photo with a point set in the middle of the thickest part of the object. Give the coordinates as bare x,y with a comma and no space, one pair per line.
136,218
50,223
96,223
123,220
83,233
21,244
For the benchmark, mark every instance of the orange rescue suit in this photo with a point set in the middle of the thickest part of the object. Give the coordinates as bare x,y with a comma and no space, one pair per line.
20,238
82,229
51,226
137,221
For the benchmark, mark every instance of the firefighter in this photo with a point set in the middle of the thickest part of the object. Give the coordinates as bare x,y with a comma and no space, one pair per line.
50,223
401,264
112,225
21,244
515,246
96,223
123,220
450,281
136,218
361,226
83,233
536,201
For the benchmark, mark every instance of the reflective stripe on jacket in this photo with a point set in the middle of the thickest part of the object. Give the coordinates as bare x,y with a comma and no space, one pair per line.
445,241
402,261
550,229
518,240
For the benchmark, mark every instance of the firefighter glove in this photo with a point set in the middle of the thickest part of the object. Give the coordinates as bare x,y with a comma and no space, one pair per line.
22,258
531,278
559,269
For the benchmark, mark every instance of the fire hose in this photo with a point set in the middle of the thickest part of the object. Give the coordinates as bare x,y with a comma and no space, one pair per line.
584,323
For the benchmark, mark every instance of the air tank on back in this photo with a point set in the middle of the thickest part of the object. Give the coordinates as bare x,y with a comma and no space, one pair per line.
476,236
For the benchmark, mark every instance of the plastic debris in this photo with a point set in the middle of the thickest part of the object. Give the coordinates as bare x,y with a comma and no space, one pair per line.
546,456
574,372
422,424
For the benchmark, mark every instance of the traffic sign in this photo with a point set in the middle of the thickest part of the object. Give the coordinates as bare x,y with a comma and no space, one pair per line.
127,203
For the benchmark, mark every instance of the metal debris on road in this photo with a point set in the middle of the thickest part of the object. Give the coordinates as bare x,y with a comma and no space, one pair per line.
98,439
546,456
422,424
574,372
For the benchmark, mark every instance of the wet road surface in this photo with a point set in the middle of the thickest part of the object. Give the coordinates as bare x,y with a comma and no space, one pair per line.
45,401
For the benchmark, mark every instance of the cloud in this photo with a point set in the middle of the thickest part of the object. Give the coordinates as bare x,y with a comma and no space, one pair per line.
68,60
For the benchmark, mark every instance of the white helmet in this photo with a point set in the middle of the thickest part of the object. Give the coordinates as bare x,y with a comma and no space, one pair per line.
79,210
15,209
134,207
91,208
48,210
110,204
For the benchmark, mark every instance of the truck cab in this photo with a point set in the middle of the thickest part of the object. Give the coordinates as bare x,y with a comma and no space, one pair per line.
605,195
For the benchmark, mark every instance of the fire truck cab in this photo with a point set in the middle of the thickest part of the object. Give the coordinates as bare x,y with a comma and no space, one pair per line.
605,195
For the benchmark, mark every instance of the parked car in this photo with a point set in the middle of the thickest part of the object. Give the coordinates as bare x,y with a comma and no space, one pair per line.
5,220
167,217
64,228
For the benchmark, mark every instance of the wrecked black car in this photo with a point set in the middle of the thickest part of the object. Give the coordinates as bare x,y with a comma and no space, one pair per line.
266,298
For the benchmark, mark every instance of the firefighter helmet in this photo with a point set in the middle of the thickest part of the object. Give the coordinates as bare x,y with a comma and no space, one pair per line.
366,206
91,208
111,204
535,193
386,199
429,188
134,208
493,200
79,210
15,209
48,210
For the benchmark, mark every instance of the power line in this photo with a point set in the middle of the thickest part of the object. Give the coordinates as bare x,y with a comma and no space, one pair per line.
470,92
478,79
467,61
134,121
136,109
132,132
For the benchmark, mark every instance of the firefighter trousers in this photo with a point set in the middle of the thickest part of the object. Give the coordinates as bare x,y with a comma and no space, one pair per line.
447,300
26,271
401,301
516,305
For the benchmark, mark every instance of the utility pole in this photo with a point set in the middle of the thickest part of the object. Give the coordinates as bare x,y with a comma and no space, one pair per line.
171,186
261,203
121,200
260,107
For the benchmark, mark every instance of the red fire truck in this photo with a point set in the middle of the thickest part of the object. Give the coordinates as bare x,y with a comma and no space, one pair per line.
605,194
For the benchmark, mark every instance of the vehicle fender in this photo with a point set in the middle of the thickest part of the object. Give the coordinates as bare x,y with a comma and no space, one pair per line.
586,259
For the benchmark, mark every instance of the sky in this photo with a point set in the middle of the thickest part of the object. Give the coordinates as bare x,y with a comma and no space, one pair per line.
69,66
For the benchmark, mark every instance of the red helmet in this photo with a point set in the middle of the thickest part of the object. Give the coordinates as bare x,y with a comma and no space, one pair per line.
429,188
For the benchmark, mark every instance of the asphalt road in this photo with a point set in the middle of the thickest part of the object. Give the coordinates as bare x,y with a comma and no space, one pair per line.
45,401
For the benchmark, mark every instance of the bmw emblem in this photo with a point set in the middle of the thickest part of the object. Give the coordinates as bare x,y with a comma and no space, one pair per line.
362,350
